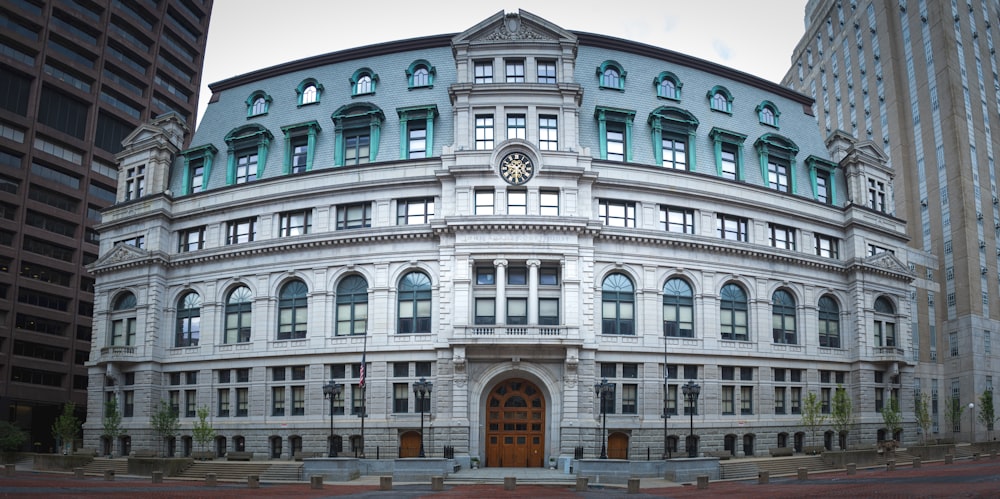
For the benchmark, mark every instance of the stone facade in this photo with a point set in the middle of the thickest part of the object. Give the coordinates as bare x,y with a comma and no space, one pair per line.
258,284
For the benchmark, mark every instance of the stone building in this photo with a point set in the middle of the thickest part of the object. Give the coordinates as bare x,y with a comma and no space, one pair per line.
516,214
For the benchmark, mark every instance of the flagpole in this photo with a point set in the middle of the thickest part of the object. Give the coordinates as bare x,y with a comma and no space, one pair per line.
364,403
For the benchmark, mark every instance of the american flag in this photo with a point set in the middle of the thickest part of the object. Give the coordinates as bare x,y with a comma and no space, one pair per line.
361,383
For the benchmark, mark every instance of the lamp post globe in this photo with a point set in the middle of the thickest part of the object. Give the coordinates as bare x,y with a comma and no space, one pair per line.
331,391
602,390
691,391
422,390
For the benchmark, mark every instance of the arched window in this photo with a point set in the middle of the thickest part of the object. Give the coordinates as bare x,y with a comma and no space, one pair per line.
188,330
733,313
767,114
309,91
238,315
829,322
414,304
352,306
678,309
783,317
618,305
667,86
258,103
885,322
123,320
309,94
719,99
420,74
293,308
611,75
363,82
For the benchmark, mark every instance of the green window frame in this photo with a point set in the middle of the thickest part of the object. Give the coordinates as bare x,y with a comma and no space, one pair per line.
197,168
411,121
420,74
728,149
668,86
247,141
611,74
300,146
352,306
258,103
673,134
774,149
293,310
720,99
768,114
309,92
363,82
612,124
352,122
823,179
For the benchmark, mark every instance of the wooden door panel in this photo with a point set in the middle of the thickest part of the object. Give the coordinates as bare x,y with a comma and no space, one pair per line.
515,422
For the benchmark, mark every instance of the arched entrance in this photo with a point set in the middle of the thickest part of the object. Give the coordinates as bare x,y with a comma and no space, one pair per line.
515,425
618,445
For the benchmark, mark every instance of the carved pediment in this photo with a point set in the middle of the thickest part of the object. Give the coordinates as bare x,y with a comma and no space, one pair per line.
120,253
513,26
888,261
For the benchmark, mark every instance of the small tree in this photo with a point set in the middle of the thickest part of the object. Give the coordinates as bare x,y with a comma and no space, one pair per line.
892,418
812,415
843,415
112,422
12,437
203,431
922,413
66,427
164,422
953,413
987,415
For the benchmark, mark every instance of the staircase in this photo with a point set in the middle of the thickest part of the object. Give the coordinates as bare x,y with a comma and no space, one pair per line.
99,465
775,466
239,471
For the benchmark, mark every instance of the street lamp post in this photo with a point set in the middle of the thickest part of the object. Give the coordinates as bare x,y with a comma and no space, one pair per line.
331,391
603,389
422,390
666,414
972,423
691,391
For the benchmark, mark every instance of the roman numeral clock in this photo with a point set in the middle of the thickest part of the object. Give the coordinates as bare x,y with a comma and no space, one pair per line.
517,168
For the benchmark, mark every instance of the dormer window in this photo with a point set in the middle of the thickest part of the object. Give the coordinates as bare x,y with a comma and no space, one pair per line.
309,92
667,86
767,114
420,74
719,99
363,82
258,104
611,75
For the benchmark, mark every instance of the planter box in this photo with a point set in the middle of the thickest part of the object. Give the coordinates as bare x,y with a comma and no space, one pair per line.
56,462
931,452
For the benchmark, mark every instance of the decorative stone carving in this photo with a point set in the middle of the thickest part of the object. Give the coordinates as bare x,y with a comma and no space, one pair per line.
514,29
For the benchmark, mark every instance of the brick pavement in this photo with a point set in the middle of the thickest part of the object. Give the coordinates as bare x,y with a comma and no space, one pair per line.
964,479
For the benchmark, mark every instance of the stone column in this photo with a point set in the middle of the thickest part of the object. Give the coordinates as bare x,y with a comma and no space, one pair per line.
501,304
533,291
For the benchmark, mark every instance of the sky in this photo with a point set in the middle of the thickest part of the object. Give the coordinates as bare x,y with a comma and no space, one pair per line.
756,36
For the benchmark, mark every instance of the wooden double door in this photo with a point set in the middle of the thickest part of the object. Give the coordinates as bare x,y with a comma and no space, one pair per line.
515,425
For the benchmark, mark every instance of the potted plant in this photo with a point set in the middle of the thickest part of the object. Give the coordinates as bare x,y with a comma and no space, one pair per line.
475,463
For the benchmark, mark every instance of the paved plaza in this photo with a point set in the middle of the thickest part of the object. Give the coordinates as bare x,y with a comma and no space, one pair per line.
963,479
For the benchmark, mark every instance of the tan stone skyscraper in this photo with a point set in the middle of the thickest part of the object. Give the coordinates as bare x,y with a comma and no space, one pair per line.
920,78
76,77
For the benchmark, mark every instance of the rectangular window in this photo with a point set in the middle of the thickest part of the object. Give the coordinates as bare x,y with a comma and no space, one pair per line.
825,401
295,223
630,371
609,370
730,166
357,400
779,400
191,240
414,211
241,231
354,216
671,400
278,401
987,343
827,247
243,375
223,411
879,399
728,372
422,369
197,178
548,132
483,71
516,126
246,167
746,400
517,202
674,150
298,400
630,396
400,398
953,344
876,195
484,132
190,403
616,213
823,185
278,374
674,219
485,276
300,154
548,311
417,140
732,228
515,71
548,203
728,400
615,138
400,369
486,311
128,404
484,202
782,237
175,402
546,72
777,176
517,311
357,147
135,182
796,400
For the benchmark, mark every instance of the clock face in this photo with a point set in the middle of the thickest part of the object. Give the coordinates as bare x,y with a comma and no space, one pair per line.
516,168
